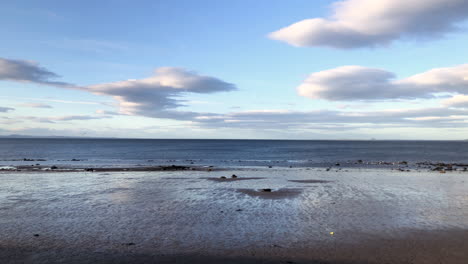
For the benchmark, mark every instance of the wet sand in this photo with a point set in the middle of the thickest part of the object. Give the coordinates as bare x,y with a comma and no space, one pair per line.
307,216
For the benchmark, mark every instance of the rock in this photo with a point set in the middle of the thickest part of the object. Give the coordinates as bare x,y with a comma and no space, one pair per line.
270,167
222,177
129,244
238,210
53,167
337,164
89,169
266,190
234,176
36,235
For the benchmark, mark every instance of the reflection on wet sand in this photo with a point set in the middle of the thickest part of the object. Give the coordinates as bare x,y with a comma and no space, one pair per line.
368,216
225,179
272,194
310,181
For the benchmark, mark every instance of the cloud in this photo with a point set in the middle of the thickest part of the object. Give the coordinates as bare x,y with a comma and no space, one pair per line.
367,23
6,109
320,119
36,105
158,95
362,83
27,71
457,101
62,118
105,112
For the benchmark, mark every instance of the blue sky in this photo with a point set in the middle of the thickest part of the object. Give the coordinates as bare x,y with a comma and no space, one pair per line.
254,75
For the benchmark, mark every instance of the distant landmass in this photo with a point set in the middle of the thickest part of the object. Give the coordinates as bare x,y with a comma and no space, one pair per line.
29,136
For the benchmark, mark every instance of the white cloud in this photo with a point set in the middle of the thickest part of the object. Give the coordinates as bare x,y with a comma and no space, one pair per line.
457,101
158,95
35,105
362,83
363,23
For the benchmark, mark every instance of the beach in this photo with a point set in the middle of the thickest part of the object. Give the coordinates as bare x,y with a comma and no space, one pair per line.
260,215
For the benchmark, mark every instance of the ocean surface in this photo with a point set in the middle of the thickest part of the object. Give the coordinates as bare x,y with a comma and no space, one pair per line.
152,152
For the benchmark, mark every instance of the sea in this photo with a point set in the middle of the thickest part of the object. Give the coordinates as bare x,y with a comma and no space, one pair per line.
83,152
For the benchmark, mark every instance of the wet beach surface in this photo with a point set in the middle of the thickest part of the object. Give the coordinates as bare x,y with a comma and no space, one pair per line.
278,215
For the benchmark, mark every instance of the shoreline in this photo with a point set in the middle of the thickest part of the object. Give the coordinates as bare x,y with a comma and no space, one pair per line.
334,166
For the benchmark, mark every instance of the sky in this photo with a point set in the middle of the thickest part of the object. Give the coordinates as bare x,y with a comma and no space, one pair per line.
264,69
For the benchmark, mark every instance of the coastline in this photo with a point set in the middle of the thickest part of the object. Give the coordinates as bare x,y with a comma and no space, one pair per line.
76,166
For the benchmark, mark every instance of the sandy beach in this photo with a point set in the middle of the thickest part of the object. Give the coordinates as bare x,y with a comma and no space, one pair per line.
262,215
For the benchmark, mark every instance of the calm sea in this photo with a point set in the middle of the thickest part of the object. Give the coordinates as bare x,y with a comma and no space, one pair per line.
150,152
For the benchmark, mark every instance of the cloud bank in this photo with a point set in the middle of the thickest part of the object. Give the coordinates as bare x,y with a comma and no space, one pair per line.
367,23
159,96
62,118
362,83
319,119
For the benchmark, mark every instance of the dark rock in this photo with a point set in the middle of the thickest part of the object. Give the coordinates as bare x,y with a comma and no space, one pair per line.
337,164
53,167
234,176
238,210
174,167
36,235
129,244
266,190
222,177
89,169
